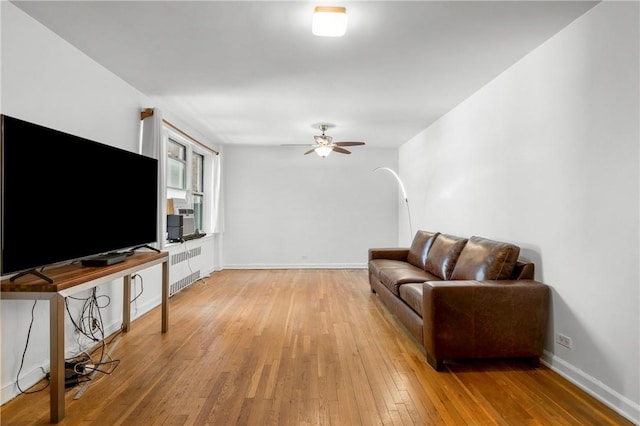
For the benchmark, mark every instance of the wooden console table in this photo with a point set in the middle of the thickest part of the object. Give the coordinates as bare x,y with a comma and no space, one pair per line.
69,280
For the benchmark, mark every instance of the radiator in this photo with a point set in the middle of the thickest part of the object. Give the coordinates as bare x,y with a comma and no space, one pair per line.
181,272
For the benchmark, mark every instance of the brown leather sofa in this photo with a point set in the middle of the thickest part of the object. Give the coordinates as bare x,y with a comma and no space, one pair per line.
463,298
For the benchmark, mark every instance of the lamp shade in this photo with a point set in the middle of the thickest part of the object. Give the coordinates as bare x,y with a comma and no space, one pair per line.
329,21
323,151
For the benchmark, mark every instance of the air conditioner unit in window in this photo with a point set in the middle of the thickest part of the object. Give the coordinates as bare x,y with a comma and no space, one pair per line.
180,226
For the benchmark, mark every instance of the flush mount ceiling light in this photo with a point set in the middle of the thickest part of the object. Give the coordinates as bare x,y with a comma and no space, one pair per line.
329,21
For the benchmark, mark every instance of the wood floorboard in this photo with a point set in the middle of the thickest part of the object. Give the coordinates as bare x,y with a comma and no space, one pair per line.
301,347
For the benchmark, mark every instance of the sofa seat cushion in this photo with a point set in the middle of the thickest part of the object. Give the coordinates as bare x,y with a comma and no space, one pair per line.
376,265
420,248
393,278
484,259
411,294
444,254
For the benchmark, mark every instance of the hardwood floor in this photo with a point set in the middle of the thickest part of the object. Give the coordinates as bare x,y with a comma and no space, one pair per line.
301,347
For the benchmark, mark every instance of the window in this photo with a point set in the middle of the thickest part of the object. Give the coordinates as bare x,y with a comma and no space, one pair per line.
197,188
176,165
188,164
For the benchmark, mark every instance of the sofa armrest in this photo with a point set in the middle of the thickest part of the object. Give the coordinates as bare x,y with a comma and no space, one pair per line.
393,253
484,319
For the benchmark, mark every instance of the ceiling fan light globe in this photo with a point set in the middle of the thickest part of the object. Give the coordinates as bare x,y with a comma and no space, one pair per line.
323,151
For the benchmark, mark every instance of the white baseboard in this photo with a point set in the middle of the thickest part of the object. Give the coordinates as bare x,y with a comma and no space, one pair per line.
296,266
10,390
603,393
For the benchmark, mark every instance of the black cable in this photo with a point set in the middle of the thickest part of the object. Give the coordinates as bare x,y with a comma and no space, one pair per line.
141,286
24,354
66,305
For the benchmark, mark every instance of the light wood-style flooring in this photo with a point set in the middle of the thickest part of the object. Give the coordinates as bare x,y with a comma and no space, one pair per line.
301,347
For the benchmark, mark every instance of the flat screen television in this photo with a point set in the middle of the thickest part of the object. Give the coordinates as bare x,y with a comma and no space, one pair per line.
66,198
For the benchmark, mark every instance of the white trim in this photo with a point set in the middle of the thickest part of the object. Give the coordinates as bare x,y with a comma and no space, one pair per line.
296,266
594,387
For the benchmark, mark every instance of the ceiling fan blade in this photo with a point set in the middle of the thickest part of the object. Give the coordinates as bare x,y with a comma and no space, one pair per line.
340,150
310,151
348,143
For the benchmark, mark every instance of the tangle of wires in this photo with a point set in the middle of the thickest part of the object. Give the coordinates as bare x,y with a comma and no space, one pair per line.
90,322
91,326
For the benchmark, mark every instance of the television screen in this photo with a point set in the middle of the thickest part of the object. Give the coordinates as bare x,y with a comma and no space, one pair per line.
66,198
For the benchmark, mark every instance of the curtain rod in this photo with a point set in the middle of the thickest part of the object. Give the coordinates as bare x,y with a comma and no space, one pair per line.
149,112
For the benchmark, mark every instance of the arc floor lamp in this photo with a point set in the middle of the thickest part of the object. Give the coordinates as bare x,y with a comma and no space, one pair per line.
404,194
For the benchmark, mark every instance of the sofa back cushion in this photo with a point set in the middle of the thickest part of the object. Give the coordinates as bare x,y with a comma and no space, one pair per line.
523,270
420,247
443,255
484,259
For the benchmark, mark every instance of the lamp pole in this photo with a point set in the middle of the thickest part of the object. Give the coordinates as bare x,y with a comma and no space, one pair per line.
404,194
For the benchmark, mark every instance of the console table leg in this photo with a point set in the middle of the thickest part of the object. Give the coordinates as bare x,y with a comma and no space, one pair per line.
165,297
126,304
56,357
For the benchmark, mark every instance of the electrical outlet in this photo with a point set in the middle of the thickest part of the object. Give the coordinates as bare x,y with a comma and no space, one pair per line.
564,340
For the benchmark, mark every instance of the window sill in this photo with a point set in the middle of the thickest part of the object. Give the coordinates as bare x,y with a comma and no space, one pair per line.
169,244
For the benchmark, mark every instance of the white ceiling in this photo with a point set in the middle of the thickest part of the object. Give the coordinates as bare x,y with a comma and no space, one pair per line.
251,72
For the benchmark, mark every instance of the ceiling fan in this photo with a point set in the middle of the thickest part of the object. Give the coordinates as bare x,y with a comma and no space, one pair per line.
324,144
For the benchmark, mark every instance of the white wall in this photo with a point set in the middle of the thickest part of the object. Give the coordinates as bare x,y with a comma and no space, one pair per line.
47,81
284,209
546,156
